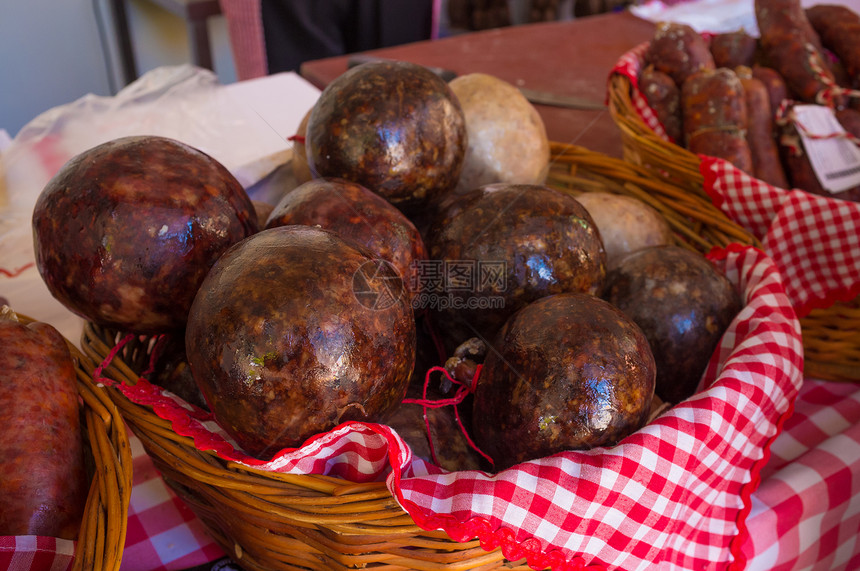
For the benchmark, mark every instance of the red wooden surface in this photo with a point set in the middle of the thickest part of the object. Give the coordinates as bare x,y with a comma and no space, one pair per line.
571,57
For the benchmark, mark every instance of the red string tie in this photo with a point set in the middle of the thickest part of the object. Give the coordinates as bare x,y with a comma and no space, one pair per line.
463,390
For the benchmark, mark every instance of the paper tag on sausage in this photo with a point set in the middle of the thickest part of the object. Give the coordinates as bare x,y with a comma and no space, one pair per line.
834,157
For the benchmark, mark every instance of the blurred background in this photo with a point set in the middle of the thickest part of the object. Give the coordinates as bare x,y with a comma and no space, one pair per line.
55,52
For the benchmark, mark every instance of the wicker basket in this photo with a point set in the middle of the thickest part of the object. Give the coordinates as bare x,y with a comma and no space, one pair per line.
696,222
274,521
102,535
831,336
269,521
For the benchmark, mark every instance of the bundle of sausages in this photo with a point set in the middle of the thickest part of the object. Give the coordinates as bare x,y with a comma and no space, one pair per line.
730,95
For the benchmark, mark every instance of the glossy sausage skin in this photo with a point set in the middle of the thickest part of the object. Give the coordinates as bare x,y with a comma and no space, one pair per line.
682,303
292,333
393,127
715,117
534,239
126,231
357,215
43,483
568,371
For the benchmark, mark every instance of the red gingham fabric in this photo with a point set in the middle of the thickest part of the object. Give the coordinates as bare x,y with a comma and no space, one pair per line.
813,239
806,513
36,553
162,533
675,493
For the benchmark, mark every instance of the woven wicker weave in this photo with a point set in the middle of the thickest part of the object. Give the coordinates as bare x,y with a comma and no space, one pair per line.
697,223
102,535
269,521
276,521
831,336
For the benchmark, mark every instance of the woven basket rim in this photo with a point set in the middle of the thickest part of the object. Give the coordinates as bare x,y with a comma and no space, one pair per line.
343,519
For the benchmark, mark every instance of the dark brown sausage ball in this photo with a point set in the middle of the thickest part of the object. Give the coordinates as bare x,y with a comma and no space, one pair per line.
682,303
296,330
502,246
568,371
125,232
357,215
393,127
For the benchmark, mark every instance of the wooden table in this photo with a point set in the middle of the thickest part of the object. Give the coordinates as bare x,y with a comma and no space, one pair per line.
572,57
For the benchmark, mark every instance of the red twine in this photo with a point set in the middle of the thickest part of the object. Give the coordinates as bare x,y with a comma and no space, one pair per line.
153,357
831,90
785,114
157,347
297,139
97,373
17,271
463,391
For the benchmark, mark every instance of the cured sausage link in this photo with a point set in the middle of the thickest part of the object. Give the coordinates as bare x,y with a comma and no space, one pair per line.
43,481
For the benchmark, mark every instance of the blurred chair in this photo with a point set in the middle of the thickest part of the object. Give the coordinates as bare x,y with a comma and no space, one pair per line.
245,30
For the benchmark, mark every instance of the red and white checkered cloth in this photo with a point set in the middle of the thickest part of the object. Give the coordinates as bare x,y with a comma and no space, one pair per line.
36,553
805,513
676,492
813,239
